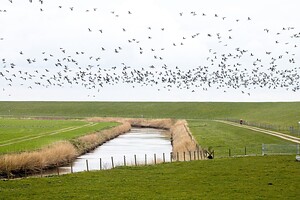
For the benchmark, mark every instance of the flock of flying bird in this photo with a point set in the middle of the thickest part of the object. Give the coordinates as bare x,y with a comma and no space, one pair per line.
224,67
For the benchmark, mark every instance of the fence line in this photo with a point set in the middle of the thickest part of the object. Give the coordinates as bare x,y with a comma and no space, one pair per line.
265,149
87,164
179,156
278,149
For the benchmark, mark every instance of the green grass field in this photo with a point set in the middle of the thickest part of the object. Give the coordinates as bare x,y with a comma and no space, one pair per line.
269,177
223,137
27,134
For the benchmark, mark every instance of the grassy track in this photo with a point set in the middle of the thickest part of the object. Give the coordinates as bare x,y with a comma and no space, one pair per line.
223,137
20,135
283,114
271,177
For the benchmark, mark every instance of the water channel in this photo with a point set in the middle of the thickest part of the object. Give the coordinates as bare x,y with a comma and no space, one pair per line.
139,146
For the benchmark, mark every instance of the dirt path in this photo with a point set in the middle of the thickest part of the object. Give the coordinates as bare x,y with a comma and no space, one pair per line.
273,133
32,137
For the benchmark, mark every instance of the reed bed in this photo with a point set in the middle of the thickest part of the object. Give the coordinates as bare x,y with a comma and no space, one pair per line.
182,139
58,153
89,142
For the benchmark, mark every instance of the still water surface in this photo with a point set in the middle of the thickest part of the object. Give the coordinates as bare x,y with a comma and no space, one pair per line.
139,144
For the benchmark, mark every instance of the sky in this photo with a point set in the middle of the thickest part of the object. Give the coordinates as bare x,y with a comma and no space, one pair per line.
171,50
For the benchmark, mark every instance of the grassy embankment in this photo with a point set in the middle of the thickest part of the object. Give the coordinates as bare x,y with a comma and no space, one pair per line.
271,177
283,114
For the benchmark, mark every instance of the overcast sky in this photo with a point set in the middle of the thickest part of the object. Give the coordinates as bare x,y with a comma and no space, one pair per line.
79,50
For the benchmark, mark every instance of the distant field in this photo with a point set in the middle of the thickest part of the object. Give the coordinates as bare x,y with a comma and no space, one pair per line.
223,137
27,134
268,177
283,114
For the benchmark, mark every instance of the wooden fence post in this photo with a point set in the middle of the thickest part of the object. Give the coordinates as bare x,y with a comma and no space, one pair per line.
100,163
229,153
145,159
177,156
245,150
124,160
155,159
164,158
190,153
57,169
8,174
184,156
112,162
87,165
135,162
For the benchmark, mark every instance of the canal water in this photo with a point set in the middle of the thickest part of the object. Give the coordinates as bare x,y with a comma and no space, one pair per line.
139,146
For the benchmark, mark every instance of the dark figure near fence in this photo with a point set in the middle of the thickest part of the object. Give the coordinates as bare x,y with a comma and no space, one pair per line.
241,121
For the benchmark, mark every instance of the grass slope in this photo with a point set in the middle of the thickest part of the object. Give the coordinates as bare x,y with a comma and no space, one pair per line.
270,177
285,113
25,134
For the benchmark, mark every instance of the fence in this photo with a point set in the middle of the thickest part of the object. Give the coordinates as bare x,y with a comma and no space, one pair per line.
278,149
88,164
257,150
225,151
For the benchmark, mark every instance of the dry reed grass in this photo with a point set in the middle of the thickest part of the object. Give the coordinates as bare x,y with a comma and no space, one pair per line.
182,139
89,142
152,123
56,154
138,122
